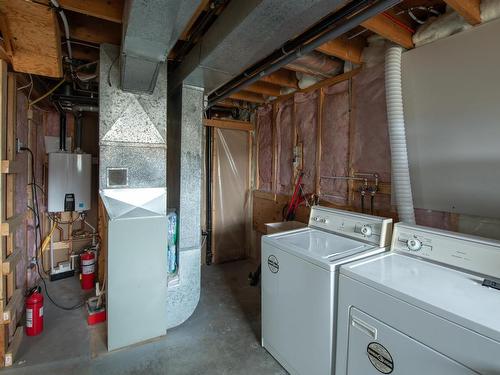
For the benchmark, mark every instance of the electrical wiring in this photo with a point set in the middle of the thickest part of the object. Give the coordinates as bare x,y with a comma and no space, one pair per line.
38,232
27,85
109,70
38,186
82,44
30,104
58,221
64,20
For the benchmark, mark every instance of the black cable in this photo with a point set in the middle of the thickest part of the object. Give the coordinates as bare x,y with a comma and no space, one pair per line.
37,219
38,186
109,70
56,220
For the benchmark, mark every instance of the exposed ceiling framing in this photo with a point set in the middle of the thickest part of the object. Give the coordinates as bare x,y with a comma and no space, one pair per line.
31,37
468,9
110,10
31,33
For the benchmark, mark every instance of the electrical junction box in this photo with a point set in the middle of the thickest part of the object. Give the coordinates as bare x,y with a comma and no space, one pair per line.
70,176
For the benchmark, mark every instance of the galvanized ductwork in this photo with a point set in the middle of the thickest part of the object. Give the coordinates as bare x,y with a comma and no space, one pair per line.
244,33
150,30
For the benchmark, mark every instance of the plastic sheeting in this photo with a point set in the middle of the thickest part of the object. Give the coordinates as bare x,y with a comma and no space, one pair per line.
335,142
284,134
231,194
306,125
265,147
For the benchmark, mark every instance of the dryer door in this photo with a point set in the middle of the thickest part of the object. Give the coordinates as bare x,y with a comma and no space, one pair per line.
375,348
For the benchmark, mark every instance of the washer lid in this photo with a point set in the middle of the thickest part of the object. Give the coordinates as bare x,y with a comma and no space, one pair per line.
323,248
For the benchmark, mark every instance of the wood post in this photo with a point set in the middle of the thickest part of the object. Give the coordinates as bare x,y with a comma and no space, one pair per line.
12,297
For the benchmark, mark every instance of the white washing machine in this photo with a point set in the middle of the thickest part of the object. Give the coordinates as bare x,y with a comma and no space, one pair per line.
421,308
299,281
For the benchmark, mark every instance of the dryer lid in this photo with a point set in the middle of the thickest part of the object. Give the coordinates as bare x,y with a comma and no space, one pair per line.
450,293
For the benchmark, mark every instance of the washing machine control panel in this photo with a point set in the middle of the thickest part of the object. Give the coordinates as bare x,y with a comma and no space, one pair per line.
373,229
458,250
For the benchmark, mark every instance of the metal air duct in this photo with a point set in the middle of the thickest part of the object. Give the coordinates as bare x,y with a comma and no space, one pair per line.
150,30
244,33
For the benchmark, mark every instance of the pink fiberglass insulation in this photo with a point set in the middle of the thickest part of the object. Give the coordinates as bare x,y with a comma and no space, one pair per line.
381,202
25,236
371,149
21,197
52,125
306,123
284,133
265,146
335,142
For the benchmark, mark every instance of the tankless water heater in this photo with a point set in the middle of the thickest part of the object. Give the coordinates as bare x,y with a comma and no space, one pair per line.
70,177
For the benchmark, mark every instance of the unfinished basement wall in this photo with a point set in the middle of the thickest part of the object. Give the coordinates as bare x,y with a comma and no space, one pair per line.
335,130
345,126
45,130
26,276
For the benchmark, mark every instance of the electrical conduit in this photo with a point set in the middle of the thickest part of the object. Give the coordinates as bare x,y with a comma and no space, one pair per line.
397,134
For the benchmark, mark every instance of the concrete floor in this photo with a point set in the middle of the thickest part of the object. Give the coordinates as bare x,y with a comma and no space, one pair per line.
222,336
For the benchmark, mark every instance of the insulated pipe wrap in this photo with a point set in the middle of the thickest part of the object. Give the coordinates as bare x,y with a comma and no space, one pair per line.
397,134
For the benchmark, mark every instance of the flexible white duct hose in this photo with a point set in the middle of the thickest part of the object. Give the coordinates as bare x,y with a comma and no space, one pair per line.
397,135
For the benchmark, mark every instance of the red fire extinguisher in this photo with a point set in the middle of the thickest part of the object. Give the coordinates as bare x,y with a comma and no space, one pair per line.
88,269
34,313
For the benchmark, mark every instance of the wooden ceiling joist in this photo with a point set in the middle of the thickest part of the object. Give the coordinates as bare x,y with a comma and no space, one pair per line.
344,49
229,124
35,37
327,82
305,70
265,88
84,53
384,26
283,78
93,30
470,10
247,96
203,5
226,103
110,10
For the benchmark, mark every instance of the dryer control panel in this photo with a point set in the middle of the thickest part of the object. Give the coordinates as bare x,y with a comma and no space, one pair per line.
479,255
373,229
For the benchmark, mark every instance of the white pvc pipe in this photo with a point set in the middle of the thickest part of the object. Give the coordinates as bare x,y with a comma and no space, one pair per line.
397,134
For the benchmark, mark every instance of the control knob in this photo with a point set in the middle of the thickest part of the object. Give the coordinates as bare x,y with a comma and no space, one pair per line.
366,230
414,244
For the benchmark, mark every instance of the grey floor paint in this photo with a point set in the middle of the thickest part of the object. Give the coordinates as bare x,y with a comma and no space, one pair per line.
222,336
